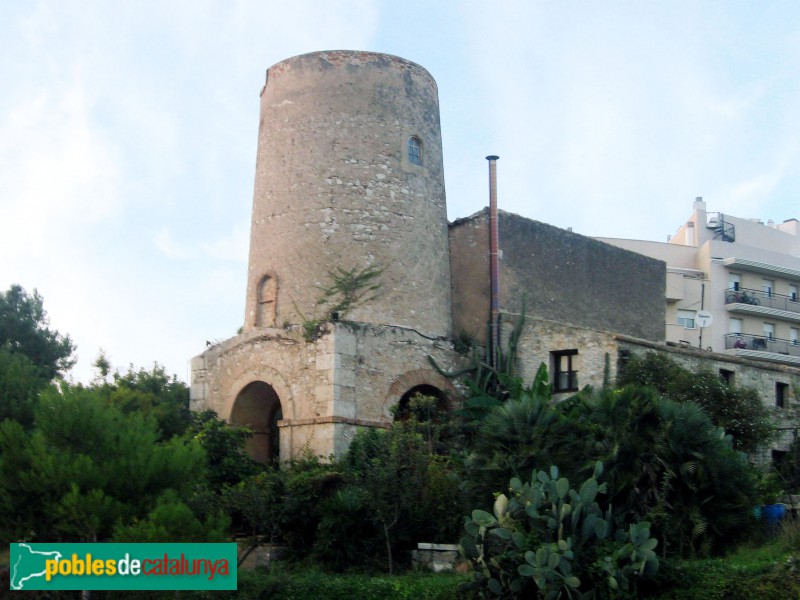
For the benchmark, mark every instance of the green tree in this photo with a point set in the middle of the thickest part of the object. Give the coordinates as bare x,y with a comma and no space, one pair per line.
172,520
308,483
391,465
737,409
345,538
668,463
257,503
408,494
527,432
153,393
20,384
227,461
24,329
86,466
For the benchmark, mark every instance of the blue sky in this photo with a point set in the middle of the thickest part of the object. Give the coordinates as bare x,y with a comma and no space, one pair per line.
128,135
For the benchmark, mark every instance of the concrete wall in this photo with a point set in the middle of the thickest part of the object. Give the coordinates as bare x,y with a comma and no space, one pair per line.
568,278
334,189
351,376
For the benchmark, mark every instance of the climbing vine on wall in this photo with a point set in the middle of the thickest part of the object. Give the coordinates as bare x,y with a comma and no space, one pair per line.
349,288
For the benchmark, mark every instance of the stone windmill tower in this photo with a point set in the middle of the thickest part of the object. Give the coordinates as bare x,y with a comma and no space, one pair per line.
348,180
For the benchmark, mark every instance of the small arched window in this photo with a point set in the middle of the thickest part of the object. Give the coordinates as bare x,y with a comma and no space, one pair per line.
267,297
414,150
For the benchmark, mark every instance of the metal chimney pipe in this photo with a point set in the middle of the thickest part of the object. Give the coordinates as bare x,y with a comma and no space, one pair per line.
494,263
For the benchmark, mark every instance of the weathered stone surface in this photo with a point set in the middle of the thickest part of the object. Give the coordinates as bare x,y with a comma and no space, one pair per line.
561,275
335,189
351,376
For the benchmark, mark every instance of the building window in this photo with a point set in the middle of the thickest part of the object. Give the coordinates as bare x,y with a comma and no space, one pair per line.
734,281
414,150
767,286
735,326
726,376
565,371
769,331
686,318
781,394
793,336
793,293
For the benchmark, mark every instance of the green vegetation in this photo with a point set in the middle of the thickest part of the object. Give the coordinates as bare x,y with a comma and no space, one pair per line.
661,479
550,539
738,410
31,354
348,289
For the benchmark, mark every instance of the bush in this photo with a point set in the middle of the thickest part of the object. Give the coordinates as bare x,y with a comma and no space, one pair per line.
347,537
555,541
308,482
738,410
523,434
667,463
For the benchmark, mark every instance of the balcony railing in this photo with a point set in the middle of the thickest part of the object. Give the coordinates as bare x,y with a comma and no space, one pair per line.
762,298
745,341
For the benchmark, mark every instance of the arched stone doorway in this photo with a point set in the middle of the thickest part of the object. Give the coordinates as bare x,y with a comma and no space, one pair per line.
258,407
402,411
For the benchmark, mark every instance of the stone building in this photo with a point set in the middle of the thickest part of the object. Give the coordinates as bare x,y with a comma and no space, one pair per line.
349,181
349,195
577,293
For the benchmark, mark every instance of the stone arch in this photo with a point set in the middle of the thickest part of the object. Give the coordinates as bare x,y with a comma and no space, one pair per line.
251,370
442,403
258,406
266,301
427,381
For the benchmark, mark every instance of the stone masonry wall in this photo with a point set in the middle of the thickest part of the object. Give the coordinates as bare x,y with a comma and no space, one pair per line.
335,189
563,276
351,376
540,337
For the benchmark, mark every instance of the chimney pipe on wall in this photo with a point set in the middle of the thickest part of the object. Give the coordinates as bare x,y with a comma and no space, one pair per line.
494,265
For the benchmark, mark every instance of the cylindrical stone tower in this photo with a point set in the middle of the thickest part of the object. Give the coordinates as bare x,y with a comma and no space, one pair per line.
349,176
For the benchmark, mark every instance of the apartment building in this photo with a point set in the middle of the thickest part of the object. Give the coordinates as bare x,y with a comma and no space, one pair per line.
738,277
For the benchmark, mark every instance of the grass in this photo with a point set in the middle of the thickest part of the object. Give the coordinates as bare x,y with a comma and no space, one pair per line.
291,583
767,569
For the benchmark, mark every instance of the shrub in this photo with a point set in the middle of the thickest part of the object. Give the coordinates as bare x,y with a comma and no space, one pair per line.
525,433
667,463
737,409
555,541
347,537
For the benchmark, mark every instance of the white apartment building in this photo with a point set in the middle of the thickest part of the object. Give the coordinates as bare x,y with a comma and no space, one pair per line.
745,273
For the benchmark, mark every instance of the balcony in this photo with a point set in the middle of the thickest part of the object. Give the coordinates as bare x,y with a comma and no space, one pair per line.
759,302
764,348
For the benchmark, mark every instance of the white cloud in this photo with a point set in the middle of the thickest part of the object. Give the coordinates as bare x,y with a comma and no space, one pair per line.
164,241
57,174
232,247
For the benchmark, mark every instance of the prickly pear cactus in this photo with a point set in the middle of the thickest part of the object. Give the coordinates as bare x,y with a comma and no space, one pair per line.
545,536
